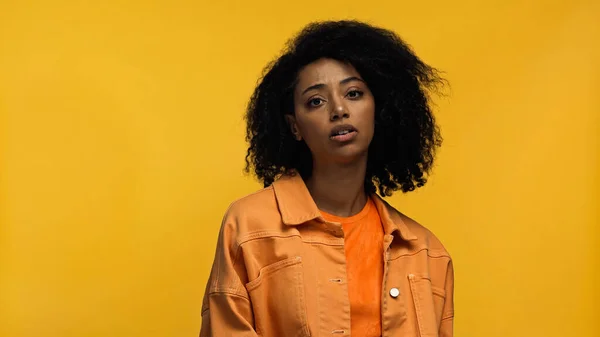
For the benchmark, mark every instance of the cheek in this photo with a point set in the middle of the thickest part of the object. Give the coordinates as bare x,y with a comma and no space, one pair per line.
371,132
311,129
369,117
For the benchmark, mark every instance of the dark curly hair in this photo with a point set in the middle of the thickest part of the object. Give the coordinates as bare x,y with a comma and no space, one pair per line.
406,136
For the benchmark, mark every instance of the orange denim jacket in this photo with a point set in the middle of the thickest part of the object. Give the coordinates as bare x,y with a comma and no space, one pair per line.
279,271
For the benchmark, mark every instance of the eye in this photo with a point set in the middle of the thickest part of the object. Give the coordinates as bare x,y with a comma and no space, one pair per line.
354,94
315,102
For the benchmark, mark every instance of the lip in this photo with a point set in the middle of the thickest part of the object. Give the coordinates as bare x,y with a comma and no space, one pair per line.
333,135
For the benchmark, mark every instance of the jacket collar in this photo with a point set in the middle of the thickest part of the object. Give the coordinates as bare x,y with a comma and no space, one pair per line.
297,207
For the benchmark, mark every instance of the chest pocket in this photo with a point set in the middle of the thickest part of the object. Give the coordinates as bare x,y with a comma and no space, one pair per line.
278,300
429,304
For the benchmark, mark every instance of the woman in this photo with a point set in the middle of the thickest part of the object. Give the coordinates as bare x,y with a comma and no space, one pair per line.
341,115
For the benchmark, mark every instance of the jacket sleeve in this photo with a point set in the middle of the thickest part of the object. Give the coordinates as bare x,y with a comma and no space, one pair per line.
226,307
446,325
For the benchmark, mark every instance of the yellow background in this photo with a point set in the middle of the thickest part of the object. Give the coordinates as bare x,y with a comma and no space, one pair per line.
121,145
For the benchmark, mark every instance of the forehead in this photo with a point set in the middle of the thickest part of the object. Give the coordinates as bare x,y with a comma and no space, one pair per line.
324,71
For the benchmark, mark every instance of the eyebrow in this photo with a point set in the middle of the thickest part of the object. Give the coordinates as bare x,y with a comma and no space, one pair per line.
321,85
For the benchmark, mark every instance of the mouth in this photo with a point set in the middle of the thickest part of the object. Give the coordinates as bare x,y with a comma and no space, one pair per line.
343,133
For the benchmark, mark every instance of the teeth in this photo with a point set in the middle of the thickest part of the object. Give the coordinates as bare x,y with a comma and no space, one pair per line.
343,132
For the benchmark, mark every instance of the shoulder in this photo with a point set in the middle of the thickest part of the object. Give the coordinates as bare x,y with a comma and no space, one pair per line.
254,214
255,206
423,238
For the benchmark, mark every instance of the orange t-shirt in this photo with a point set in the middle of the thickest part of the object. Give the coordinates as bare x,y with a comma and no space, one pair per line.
364,268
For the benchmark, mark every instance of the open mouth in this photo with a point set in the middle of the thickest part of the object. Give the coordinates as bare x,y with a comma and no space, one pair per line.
343,133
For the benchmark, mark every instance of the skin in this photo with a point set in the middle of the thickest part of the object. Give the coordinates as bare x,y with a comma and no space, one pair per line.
330,93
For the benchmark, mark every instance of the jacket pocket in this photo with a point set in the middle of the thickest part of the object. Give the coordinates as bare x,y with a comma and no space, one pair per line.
428,302
278,302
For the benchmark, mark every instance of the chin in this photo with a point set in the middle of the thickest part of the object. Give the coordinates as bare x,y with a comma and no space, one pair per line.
349,155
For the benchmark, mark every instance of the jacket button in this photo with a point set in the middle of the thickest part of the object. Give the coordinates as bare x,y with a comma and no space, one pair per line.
394,292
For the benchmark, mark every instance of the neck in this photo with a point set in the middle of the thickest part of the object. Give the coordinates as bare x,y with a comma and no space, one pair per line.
339,189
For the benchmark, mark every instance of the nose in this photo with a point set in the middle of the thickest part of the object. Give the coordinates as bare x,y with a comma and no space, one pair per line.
339,111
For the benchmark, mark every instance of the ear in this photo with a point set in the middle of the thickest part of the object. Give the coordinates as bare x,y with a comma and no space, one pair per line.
291,120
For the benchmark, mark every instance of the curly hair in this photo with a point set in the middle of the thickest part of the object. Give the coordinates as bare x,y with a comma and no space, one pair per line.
406,136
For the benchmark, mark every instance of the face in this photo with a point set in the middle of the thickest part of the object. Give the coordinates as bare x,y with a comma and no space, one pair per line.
334,112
